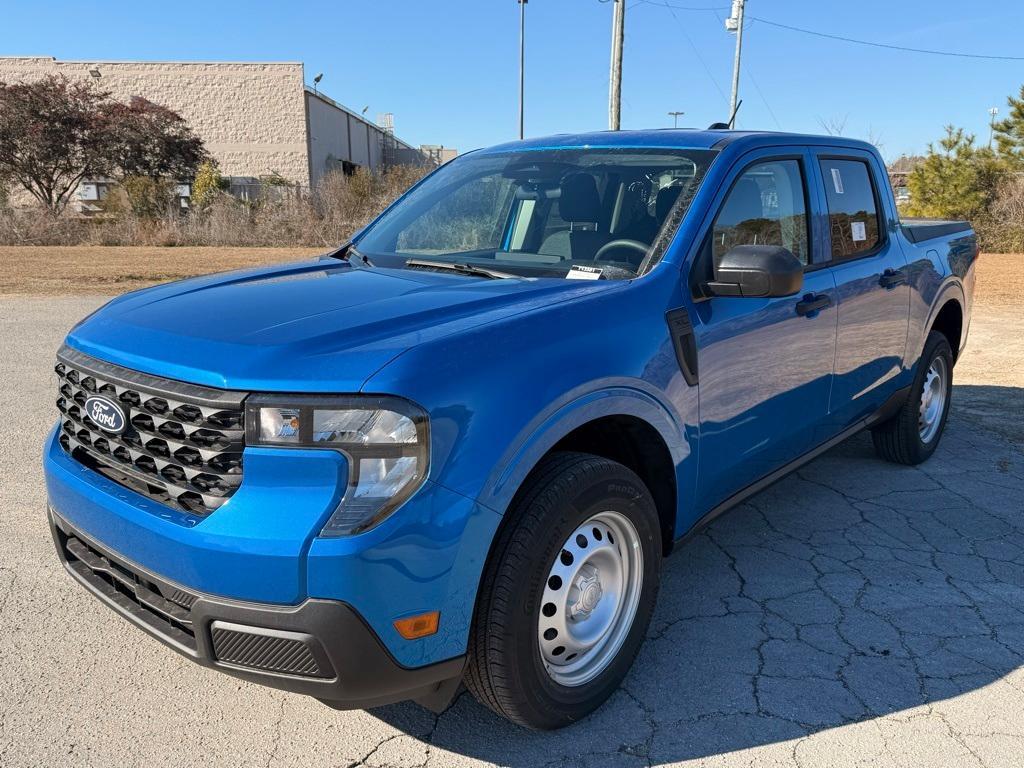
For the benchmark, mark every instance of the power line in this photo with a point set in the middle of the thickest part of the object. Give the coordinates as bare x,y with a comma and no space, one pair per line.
841,38
696,51
683,7
886,45
750,74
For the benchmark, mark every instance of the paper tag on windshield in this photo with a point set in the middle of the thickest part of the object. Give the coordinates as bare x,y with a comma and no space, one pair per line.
837,181
858,232
579,272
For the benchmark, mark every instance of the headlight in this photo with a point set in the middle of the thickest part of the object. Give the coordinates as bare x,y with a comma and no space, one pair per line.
385,440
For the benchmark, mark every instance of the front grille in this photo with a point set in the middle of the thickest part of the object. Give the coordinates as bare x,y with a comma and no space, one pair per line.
182,445
167,610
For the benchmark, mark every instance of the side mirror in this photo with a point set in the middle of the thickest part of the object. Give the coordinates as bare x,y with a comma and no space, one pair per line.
757,270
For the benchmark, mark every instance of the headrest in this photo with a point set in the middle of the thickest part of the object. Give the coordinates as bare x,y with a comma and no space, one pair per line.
667,197
579,200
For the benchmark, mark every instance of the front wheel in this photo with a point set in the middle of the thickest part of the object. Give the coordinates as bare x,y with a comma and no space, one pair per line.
913,434
568,594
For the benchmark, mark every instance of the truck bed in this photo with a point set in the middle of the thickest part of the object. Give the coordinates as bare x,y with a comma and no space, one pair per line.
919,230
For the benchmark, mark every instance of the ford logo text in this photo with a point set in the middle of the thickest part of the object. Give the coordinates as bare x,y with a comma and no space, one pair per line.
106,414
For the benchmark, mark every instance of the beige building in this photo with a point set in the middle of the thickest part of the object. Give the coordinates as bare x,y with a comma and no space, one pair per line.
256,118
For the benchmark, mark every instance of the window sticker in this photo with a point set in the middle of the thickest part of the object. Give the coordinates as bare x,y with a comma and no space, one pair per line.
837,181
858,231
580,272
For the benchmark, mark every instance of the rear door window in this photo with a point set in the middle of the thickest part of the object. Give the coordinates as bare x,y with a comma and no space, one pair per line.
852,210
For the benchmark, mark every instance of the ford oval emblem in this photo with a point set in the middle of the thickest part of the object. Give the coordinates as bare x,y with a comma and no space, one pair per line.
106,414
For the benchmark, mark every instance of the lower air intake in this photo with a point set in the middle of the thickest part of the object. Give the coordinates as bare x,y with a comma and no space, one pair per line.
267,649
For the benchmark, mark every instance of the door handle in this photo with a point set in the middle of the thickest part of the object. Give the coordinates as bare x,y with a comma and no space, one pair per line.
812,303
892,277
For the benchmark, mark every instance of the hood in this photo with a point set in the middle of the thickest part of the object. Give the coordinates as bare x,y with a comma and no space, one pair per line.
321,326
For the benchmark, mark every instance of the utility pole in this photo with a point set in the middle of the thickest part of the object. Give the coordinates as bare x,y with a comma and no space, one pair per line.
675,118
735,24
522,63
992,112
615,78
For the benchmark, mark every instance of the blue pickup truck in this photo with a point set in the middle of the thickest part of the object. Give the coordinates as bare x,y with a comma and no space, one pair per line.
456,450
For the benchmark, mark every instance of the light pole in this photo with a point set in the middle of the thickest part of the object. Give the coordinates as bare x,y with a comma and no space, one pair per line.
735,24
615,77
522,63
992,112
675,118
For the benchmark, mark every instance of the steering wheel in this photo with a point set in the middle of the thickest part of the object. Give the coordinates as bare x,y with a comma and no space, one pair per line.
634,245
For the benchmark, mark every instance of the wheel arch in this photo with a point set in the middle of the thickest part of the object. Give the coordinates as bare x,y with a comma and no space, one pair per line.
627,425
949,321
634,443
946,306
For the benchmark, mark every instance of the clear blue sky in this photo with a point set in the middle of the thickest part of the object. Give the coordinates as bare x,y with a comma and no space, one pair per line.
448,68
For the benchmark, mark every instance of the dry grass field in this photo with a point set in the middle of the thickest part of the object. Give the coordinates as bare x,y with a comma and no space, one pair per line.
50,271
1000,280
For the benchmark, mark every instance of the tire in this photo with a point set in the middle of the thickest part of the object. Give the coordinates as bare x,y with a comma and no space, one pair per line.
511,646
910,437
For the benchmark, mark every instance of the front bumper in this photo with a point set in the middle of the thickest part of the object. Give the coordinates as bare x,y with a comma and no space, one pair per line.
261,546
321,648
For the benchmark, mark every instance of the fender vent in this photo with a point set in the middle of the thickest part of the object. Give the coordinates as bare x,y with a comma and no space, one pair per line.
683,342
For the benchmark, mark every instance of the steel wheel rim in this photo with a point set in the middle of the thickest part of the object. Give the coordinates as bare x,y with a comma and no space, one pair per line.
590,598
933,400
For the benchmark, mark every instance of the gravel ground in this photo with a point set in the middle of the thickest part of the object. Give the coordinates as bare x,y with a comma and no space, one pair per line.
856,613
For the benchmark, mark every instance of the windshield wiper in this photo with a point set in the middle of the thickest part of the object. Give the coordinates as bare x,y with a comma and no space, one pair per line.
462,269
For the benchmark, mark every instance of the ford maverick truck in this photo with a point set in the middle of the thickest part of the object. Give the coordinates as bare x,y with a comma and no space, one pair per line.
457,449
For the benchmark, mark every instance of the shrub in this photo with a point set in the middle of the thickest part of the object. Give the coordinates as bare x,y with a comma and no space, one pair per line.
148,198
208,184
141,212
1001,228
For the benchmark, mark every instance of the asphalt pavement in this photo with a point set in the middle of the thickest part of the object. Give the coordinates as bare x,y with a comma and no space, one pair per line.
856,613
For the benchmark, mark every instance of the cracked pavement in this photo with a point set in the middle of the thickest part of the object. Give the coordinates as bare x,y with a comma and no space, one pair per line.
856,613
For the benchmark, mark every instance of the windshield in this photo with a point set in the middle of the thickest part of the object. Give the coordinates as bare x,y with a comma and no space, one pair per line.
557,213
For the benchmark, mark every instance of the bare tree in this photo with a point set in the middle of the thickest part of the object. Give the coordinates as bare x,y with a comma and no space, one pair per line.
876,139
833,126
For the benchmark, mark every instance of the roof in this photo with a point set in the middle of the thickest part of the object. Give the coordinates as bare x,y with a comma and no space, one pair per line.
316,94
674,138
30,57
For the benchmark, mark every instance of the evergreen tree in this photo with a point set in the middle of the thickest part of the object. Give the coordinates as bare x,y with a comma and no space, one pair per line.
1009,132
955,180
